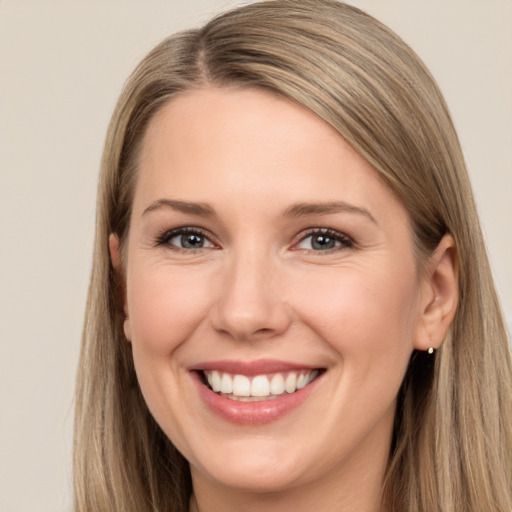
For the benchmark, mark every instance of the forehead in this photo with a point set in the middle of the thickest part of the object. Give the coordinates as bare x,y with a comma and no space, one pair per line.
223,144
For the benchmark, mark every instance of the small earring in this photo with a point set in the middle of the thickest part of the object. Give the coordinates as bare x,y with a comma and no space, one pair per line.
431,350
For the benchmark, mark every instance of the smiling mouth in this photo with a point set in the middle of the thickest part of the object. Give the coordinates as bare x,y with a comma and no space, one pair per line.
257,388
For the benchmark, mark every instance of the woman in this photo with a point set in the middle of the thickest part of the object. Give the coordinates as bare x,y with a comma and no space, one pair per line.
291,304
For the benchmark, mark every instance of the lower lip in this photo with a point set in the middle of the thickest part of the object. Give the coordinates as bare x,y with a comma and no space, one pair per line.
253,413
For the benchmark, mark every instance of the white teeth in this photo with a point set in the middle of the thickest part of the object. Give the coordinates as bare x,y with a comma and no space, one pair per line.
260,386
241,385
310,377
305,378
214,380
267,386
301,381
226,384
290,383
277,384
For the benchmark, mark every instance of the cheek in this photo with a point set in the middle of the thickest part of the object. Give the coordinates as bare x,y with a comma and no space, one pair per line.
362,311
164,306
367,318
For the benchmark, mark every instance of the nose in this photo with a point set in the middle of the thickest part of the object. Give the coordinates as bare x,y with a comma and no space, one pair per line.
251,303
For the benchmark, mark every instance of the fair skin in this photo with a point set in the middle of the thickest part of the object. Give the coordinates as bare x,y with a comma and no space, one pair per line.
262,282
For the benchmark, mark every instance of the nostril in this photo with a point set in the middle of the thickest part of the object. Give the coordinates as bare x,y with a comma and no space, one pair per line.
264,332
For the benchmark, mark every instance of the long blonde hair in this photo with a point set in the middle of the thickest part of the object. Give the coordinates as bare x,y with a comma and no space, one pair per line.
452,447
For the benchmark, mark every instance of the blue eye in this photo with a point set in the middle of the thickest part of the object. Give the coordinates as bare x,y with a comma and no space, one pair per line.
324,240
186,239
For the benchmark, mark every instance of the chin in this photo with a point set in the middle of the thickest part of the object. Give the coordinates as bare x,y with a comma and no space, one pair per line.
257,474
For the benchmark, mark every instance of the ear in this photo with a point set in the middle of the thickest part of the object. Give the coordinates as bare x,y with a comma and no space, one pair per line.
440,295
115,251
115,258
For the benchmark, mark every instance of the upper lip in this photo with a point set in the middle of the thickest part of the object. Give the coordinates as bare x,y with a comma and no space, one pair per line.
251,368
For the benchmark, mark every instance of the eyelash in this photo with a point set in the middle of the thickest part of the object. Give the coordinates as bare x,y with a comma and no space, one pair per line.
166,236
345,241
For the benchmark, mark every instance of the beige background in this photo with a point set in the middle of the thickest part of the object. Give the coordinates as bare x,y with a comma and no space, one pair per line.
62,65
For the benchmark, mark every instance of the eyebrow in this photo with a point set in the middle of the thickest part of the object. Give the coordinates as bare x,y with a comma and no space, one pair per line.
303,209
201,209
293,211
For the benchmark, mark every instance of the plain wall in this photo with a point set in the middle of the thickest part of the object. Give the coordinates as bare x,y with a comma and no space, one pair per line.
62,66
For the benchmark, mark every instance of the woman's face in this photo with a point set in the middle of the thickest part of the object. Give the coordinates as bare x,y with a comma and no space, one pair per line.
266,256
